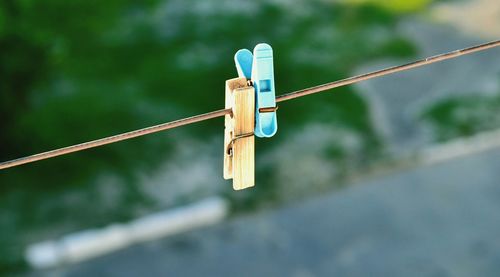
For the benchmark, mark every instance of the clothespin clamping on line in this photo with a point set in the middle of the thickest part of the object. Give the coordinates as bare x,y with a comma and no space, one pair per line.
259,69
252,99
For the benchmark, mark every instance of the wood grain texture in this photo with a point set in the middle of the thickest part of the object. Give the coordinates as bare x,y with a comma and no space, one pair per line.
244,148
240,166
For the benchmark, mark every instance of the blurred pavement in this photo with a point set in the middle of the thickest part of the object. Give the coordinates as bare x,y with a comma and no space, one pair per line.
398,101
437,220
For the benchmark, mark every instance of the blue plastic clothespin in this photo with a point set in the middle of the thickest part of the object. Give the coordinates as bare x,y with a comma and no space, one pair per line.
259,68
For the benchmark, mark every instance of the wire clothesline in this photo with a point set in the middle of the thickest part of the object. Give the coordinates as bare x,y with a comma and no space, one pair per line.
223,112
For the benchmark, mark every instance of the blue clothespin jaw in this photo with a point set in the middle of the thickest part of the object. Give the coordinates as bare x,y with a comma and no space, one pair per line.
266,123
259,68
244,59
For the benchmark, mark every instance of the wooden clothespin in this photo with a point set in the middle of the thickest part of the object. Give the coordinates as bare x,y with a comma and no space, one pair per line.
251,97
239,141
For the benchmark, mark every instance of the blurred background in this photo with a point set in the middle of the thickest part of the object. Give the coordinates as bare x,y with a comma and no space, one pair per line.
396,176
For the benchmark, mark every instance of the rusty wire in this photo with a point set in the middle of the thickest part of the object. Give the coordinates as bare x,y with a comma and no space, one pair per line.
222,112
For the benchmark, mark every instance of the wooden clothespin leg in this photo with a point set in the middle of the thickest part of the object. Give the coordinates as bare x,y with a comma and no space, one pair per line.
239,141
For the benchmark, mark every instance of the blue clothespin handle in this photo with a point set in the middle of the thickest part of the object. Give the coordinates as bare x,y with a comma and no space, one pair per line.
259,68
266,123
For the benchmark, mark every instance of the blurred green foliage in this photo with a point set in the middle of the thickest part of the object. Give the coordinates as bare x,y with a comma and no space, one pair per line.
73,71
463,116
395,5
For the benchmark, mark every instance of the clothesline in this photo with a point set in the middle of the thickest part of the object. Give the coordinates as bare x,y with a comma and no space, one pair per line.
222,112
